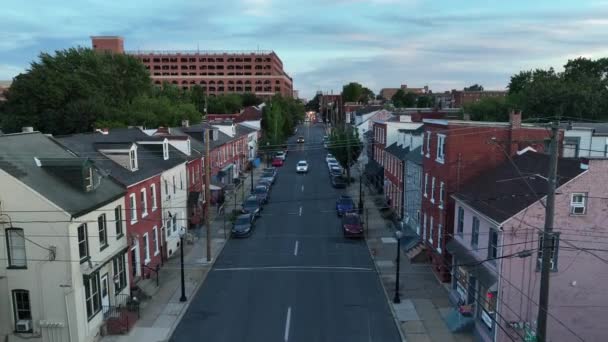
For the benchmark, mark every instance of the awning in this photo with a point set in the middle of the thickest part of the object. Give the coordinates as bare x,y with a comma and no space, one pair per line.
193,198
465,257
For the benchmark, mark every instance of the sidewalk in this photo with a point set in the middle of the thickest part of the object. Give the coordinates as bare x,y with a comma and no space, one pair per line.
160,315
423,297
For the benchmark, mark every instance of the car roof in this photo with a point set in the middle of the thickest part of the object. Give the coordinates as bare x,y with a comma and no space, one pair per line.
345,197
246,215
302,161
251,198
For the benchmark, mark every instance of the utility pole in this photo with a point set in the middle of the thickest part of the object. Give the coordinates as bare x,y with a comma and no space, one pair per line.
207,192
547,242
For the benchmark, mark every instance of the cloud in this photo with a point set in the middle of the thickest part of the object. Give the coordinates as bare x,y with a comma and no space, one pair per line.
258,8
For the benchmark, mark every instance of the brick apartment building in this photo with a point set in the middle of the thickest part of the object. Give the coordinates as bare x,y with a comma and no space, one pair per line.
217,72
454,152
464,97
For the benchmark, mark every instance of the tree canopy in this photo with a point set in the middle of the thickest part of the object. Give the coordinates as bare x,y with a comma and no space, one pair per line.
78,89
280,117
345,146
403,99
355,92
474,87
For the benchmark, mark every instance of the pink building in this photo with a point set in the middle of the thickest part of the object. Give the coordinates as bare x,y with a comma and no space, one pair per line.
496,251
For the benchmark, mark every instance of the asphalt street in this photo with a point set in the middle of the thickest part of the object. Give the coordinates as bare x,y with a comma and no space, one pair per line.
296,278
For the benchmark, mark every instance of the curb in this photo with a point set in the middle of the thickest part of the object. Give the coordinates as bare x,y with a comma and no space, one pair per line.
388,298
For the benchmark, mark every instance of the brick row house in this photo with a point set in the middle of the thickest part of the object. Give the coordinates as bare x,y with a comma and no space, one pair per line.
498,220
455,152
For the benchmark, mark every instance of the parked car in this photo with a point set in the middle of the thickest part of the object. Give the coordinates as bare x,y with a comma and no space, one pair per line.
261,192
300,139
352,225
280,155
302,167
329,157
269,173
338,182
277,162
344,204
252,205
243,225
335,170
265,182
331,161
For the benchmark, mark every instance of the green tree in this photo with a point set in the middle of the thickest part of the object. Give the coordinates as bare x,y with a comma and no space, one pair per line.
425,101
366,95
352,92
474,87
345,146
249,99
489,109
273,124
313,104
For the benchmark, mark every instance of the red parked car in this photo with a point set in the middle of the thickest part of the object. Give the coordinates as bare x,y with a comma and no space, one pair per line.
352,226
277,162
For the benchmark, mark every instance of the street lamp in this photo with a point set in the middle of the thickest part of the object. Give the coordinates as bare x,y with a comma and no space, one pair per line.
398,236
182,233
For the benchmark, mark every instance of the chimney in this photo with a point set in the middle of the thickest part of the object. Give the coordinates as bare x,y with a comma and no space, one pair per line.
515,119
27,129
186,123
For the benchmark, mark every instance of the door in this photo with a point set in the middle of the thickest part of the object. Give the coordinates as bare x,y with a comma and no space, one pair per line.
135,264
471,297
105,295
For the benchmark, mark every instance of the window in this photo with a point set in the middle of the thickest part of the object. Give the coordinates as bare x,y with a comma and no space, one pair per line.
144,202
191,171
21,306
165,150
174,185
433,190
118,221
440,148
15,241
153,193
181,181
493,244
120,276
88,178
174,223
146,246
83,243
103,232
431,230
168,225
426,183
475,232
155,240
578,204
428,144
133,208
424,228
571,147
439,237
166,187
203,193
133,159
460,226
553,250
441,194
92,295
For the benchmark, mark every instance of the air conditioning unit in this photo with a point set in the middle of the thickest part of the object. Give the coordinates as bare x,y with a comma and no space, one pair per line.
24,325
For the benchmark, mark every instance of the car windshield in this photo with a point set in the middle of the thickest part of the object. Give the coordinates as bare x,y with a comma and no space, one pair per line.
351,219
267,174
252,202
242,220
345,200
260,190
302,164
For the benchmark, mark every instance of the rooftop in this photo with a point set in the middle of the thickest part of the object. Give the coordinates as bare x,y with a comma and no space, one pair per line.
501,193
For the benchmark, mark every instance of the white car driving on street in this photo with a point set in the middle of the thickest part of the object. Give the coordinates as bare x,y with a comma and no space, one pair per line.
302,167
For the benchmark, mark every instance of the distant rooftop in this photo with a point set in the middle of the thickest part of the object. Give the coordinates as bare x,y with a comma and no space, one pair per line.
200,52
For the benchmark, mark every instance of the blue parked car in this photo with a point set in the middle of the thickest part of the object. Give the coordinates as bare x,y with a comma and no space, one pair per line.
344,204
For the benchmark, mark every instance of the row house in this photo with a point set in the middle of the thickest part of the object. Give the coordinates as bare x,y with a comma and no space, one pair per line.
454,152
498,245
144,166
584,139
63,272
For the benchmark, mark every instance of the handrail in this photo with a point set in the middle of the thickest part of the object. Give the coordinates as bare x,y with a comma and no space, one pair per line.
155,269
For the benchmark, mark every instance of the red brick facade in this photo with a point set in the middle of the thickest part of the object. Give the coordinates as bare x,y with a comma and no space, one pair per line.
217,72
464,97
393,183
469,149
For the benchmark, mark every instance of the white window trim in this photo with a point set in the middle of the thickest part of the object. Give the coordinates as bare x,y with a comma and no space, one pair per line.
428,144
439,232
174,185
575,205
133,209
154,198
133,160
165,150
426,184
433,190
431,230
144,208
441,194
440,147
146,245
156,249
424,226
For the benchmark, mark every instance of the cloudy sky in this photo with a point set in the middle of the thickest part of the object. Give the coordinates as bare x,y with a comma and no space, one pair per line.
325,43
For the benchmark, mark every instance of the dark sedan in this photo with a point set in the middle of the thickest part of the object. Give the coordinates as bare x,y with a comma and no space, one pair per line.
338,182
269,173
261,192
344,204
265,182
243,225
351,225
251,205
